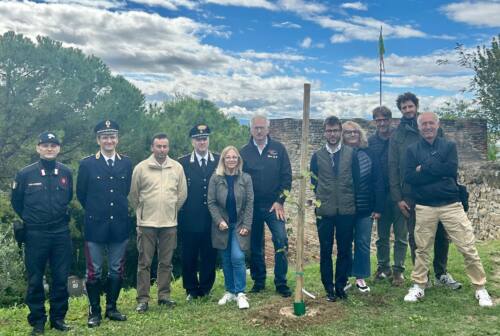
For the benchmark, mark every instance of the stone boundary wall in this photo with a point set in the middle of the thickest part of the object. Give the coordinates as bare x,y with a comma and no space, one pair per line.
482,179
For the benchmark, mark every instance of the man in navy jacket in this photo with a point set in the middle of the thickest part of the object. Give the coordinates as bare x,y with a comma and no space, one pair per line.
102,187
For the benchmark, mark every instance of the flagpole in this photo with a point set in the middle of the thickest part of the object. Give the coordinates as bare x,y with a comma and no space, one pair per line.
380,85
381,51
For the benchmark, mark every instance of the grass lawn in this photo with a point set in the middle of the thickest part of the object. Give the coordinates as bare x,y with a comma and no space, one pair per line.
381,312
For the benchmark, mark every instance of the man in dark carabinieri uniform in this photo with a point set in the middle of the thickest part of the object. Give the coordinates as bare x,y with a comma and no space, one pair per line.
41,193
102,187
194,218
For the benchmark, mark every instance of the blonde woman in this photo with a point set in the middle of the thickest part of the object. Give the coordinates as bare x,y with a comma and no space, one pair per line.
230,202
368,186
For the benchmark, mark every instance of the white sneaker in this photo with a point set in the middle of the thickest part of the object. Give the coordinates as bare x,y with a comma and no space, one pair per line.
415,293
242,301
228,297
484,298
447,280
347,286
362,286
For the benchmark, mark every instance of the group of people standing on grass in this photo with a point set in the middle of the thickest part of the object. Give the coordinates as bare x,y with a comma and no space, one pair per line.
404,178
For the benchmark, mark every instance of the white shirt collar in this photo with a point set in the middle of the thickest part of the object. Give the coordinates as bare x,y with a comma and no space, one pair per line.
258,148
335,150
199,157
106,158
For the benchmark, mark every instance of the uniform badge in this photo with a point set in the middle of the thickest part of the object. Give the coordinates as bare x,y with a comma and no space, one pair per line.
108,123
64,181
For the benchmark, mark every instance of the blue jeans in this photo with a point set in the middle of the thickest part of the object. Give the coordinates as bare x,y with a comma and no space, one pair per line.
233,265
280,242
362,239
94,255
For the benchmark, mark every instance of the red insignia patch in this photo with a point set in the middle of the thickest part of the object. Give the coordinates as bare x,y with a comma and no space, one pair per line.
64,181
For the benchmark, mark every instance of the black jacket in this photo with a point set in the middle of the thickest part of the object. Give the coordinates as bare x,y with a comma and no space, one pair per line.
379,150
271,172
103,191
194,215
41,197
435,184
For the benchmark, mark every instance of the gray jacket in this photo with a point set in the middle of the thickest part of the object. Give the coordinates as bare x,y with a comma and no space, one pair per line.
217,195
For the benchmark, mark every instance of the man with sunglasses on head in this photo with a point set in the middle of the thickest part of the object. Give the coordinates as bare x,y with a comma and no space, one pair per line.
102,187
41,194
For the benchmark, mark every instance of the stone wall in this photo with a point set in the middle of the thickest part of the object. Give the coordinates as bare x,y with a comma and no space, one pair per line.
483,180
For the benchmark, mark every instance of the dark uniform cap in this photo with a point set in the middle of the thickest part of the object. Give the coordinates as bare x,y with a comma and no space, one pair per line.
106,126
200,130
48,137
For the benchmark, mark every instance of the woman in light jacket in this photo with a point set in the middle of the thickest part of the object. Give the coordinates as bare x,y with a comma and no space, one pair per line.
230,201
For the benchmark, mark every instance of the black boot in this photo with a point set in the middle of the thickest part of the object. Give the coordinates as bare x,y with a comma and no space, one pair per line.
94,294
113,291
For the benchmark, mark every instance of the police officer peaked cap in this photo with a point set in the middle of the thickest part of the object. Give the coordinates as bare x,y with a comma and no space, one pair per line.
106,127
48,137
198,131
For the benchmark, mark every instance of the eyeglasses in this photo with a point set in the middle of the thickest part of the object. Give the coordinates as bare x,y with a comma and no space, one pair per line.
381,120
331,131
351,132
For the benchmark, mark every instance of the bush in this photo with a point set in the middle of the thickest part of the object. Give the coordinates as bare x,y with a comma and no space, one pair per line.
12,279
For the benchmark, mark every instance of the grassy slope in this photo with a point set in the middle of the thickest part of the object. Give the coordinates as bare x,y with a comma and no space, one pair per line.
383,312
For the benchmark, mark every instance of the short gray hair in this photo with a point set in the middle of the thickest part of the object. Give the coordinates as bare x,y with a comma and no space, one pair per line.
434,115
259,115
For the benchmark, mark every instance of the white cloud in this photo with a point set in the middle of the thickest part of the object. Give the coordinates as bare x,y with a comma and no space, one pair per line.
354,5
364,28
477,13
108,4
244,3
252,54
306,43
286,24
302,7
445,83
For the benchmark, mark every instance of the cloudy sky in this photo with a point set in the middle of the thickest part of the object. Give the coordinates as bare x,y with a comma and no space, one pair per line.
255,55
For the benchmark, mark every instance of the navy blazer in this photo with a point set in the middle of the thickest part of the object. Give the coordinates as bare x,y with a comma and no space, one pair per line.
103,191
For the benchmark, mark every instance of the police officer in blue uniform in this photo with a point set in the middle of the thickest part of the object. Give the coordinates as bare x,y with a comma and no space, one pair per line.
102,187
194,217
41,193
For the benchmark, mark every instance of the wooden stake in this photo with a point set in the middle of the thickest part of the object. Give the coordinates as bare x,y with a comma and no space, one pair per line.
299,307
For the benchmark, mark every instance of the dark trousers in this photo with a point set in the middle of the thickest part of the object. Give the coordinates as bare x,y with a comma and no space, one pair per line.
341,228
55,248
441,245
280,242
198,255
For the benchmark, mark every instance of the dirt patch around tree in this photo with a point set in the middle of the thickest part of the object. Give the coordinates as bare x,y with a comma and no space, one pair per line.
276,315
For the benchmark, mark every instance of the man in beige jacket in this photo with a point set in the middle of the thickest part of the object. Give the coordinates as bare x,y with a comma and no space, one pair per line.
157,192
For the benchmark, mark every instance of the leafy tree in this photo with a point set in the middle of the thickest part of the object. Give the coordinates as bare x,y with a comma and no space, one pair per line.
178,116
457,109
485,61
44,86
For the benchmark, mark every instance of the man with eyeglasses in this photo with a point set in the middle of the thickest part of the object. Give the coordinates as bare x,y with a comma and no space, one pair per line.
102,187
378,144
333,169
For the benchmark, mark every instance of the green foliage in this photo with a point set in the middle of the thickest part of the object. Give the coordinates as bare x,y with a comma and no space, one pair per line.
178,116
485,61
44,86
457,109
12,282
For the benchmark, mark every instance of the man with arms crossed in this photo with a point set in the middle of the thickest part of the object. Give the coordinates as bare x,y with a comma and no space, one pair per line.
431,170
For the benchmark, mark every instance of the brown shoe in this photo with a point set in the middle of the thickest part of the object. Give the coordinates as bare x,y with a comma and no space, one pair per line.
398,279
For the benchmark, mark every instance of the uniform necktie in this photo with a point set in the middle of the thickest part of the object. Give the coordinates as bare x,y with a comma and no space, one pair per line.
203,164
110,163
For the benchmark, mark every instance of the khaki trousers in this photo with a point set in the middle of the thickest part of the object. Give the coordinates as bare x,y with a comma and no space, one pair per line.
460,231
148,241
